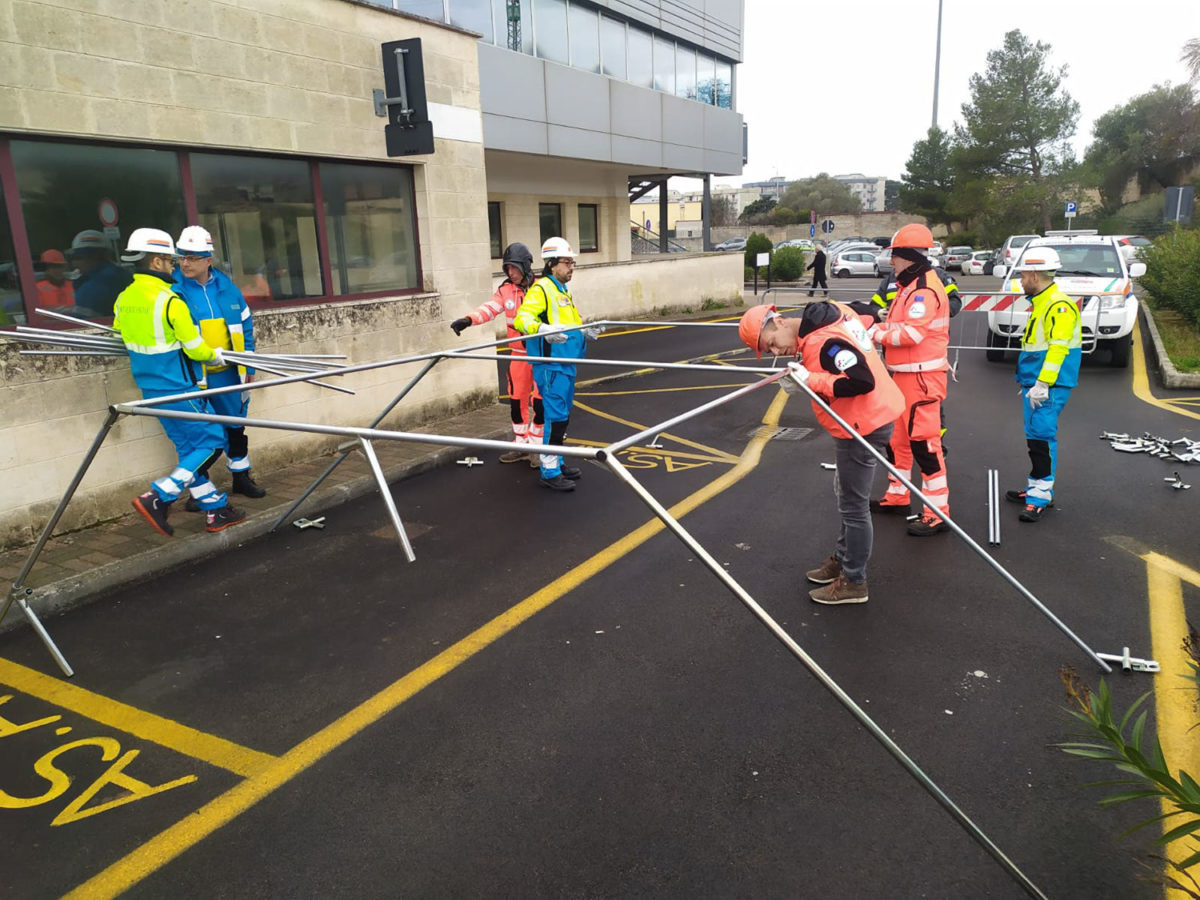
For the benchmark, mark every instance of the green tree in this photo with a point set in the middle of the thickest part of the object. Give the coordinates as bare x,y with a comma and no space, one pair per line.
823,193
756,211
1190,57
723,211
928,179
1018,124
1155,137
891,194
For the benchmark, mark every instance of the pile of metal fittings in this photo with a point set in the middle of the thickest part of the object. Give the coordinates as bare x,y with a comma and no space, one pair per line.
1178,450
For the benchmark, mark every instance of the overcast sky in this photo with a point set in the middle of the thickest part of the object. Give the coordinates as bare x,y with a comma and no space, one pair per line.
848,87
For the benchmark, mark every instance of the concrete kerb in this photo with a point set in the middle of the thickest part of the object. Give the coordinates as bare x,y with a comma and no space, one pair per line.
1172,378
95,584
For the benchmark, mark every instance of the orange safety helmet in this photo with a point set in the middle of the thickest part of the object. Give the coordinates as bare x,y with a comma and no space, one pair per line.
917,236
751,325
53,258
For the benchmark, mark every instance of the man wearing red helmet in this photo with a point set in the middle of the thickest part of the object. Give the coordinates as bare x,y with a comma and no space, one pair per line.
54,290
914,337
838,363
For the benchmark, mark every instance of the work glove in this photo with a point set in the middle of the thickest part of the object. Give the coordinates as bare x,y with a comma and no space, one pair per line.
553,334
875,334
218,358
1038,394
458,325
594,332
795,372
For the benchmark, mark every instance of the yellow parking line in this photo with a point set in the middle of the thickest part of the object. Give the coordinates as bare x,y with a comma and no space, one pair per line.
165,846
660,452
1141,380
166,733
636,427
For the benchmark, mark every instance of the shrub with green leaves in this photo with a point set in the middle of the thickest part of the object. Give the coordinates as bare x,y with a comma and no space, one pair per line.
1172,278
755,244
788,264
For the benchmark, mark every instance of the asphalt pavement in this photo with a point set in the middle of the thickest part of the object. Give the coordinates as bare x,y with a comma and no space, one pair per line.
559,699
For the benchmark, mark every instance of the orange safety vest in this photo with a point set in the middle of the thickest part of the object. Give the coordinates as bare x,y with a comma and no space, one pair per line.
864,412
55,296
506,300
916,332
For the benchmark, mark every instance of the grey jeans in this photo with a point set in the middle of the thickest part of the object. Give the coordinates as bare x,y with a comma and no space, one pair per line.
852,485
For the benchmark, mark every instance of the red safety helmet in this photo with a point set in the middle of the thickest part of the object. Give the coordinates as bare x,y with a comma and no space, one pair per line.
751,325
916,236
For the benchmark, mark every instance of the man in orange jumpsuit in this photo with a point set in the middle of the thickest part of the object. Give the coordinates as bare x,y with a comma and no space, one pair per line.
914,338
525,402
54,290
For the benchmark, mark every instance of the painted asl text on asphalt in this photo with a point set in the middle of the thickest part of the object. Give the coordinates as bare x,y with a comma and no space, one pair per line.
60,781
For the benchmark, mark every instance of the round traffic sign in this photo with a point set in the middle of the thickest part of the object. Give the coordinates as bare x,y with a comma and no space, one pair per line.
107,211
827,226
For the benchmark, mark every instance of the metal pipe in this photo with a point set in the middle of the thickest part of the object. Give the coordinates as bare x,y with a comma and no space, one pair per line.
45,636
637,438
614,363
87,323
309,378
987,557
88,353
386,493
823,677
132,409
341,456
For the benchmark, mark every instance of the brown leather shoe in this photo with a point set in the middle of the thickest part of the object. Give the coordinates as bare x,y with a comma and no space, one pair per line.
829,570
841,590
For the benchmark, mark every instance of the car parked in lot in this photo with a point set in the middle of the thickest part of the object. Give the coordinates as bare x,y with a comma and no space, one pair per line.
1012,248
802,243
977,264
956,256
883,263
853,261
737,243
1097,273
1132,245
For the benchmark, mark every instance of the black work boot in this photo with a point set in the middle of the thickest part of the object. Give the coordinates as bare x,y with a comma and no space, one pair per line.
246,486
154,511
221,518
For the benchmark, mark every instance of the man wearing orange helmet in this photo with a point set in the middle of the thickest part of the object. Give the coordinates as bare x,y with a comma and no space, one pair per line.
839,363
914,337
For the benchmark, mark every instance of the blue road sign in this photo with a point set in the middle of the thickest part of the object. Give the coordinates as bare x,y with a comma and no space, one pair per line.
827,226
1071,208
812,231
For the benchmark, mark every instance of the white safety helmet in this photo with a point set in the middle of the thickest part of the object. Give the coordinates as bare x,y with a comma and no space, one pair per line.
556,247
1039,259
88,239
196,241
148,240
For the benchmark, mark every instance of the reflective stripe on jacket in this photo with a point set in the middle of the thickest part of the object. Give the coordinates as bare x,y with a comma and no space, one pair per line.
506,301
220,311
547,302
916,332
159,334
864,412
1051,347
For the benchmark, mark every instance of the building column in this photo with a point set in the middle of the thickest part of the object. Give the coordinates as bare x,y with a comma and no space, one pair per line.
662,216
706,215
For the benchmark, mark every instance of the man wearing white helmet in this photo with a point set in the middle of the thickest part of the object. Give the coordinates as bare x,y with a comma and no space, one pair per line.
221,312
546,311
1047,369
162,341
100,279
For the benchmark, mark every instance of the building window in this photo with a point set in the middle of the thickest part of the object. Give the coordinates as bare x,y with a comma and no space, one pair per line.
550,220
371,225
706,77
589,217
550,30
263,222
585,38
612,47
522,20
429,9
473,15
685,73
641,58
664,66
495,233
12,309
724,83
61,187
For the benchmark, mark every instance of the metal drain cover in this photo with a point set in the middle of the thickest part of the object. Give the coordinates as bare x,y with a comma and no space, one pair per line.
785,434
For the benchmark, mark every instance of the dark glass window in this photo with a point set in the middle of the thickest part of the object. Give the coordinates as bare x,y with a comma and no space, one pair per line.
473,15
612,47
371,225
495,234
585,38
62,187
12,310
550,220
550,29
263,222
589,218
430,9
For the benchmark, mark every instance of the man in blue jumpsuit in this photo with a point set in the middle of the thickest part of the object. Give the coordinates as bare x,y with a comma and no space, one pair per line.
220,311
162,340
